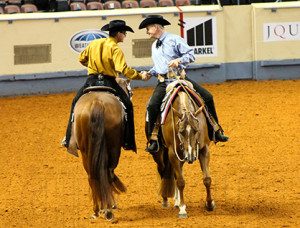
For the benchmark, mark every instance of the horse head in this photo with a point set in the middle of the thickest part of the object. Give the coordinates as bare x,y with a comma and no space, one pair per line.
125,85
188,133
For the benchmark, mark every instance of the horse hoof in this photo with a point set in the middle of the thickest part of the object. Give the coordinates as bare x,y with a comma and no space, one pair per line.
115,207
165,204
109,215
183,215
212,207
95,216
176,207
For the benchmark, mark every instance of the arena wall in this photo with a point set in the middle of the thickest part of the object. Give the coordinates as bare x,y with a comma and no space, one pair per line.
39,52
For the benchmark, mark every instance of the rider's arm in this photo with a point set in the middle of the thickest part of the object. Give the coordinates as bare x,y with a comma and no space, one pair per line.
184,51
121,66
84,57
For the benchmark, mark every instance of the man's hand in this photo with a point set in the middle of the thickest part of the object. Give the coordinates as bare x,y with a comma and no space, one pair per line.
174,63
146,75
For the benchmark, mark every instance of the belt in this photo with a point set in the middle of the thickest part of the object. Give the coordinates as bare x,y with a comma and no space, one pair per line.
163,77
171,74
101,76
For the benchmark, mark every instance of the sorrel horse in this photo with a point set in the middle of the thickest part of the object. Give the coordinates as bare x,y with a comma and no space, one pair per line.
98,131
184,139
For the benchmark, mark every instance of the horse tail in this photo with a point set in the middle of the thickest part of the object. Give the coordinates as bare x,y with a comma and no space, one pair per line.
118,185
100,179
167,185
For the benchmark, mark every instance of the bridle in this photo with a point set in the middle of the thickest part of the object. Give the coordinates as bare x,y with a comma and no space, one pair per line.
129,90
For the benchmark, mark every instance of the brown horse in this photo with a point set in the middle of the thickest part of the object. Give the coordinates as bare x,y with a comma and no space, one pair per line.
185,139
98,132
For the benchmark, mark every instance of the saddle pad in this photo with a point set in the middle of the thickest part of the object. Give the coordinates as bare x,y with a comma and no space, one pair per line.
169,98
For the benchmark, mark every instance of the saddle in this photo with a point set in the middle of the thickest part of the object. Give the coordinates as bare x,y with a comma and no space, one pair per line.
100,88
105,89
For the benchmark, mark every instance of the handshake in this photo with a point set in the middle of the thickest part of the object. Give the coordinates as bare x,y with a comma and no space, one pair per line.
146,75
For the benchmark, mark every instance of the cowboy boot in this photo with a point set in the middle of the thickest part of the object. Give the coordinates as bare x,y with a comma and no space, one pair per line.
129,134
66,139
219,137
154,147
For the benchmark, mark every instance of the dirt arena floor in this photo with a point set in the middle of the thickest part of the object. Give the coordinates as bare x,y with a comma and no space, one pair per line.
255,176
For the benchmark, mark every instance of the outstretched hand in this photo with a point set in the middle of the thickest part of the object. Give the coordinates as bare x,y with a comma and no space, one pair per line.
146,75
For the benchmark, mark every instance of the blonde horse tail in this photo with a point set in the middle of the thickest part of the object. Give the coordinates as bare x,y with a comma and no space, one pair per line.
100,179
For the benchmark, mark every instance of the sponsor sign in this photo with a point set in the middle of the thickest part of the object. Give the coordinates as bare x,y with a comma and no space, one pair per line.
200,33
80,40
281,31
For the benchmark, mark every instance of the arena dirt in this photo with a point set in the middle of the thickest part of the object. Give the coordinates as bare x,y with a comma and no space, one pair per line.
255,176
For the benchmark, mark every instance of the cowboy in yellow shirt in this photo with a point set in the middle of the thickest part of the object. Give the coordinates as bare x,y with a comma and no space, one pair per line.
105,59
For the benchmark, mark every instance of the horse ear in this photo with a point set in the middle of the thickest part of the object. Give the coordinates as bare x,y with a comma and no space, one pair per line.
198,111
177,113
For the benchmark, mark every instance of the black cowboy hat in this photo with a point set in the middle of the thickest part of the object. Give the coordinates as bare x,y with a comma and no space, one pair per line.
153,19
116,25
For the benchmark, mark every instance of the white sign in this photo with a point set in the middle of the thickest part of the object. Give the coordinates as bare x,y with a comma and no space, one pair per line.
80,40
200,33
282,31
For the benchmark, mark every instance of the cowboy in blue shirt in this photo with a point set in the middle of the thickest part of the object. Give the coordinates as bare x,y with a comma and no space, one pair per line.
170,50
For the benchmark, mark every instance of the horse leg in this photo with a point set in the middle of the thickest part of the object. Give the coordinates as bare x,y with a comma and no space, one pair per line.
165,202
182,206
177,166
117,185
95,200
112,176
204,162
176,198
165,176
92,186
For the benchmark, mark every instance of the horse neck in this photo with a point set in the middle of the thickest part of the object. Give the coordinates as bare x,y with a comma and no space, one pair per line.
185,103
123,84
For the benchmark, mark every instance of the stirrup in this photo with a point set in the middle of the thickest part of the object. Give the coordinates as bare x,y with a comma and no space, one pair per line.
152,150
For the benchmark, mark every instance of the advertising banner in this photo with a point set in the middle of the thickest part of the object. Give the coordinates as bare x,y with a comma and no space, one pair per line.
281,31
200,33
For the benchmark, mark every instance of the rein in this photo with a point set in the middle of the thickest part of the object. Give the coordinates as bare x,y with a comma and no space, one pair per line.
174,138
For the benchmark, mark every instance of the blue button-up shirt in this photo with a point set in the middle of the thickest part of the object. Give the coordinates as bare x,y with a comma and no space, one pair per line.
173,47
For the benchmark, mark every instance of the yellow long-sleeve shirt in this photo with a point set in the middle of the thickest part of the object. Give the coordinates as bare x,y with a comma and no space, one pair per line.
104,56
